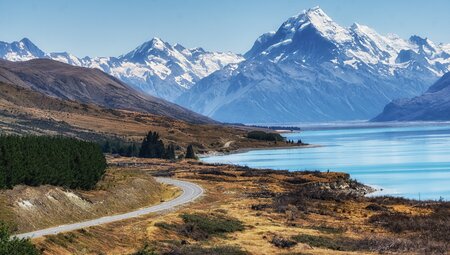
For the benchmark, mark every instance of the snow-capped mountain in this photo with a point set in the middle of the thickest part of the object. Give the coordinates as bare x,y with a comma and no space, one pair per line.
155,67
20,51
313,69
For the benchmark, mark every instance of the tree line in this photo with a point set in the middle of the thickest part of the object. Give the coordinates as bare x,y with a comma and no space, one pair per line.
38,160
151,146
121,148
264,136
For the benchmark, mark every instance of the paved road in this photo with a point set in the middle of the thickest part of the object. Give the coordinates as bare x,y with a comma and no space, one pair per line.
190,190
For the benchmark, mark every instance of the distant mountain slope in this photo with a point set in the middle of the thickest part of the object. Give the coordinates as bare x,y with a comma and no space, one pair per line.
433,105
313,69
155,67
87,85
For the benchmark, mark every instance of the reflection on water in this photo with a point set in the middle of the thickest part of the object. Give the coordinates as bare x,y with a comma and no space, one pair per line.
406,161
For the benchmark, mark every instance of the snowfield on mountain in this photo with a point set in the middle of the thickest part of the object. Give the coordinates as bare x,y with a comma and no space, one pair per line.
313,69
155,67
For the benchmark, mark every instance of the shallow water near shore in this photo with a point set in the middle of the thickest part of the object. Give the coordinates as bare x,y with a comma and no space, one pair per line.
408,161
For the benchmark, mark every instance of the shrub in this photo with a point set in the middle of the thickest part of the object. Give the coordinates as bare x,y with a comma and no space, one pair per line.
281,242
435,226
14,245
261,135
323,242
328,230
198,250
201,226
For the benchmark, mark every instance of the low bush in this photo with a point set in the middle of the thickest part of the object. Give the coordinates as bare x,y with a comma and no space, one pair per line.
435,225
201,226
328,229
263,136
324,242
282,242
199,250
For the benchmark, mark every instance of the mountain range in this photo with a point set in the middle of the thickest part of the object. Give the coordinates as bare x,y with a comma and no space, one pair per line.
313,69
310,69
155,67
433,105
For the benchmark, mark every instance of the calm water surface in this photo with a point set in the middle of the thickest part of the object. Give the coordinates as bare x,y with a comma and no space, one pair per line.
403,161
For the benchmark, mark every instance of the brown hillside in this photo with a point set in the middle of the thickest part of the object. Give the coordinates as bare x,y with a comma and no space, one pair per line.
88,85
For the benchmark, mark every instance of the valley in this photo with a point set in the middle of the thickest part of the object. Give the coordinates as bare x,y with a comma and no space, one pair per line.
308,58
165,149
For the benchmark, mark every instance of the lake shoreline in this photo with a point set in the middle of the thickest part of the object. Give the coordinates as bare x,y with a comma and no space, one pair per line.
243,150
365,189
391,160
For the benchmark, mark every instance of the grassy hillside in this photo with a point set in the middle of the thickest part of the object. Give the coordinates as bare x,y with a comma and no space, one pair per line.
23,111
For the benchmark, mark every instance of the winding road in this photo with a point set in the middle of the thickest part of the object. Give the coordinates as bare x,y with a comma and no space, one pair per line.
190,191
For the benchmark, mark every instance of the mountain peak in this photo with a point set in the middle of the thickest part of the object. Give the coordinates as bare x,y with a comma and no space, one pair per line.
318,19
140,53
26,40
28,43
316,12
157,43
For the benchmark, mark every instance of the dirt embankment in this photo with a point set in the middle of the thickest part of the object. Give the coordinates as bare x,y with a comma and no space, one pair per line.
33,208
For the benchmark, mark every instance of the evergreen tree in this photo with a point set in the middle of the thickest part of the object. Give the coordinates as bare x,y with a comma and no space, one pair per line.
106,147
12,246
57,161
190,153
170,152
152,146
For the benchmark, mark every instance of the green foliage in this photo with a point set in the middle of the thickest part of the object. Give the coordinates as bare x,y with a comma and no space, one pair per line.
322,242
199,250
153,147
263,136
190,153
174,248
13,245
119,147
328,229
38,160
211,224
170,152
146,250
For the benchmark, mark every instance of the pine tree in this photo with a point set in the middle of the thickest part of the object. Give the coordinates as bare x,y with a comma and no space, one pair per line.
170,152
190,153
14,245
106,147
152,146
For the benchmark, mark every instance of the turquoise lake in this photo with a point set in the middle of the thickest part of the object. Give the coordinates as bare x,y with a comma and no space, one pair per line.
412,161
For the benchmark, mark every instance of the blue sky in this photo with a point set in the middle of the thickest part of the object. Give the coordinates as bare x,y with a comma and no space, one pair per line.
111,28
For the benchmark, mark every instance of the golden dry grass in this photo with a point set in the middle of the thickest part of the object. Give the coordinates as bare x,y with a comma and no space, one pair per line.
228,194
